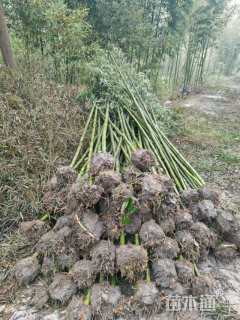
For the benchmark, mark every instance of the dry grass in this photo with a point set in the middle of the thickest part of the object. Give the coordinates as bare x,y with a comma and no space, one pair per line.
14,247
40,125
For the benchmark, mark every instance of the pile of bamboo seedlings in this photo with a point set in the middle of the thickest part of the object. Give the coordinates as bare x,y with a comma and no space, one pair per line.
124,126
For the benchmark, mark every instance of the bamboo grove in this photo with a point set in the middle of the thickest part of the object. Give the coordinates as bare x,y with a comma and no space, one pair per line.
169,40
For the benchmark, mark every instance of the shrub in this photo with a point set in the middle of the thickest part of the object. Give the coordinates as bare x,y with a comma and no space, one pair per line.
39,128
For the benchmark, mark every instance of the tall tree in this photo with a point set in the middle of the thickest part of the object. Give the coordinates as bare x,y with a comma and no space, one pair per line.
5,44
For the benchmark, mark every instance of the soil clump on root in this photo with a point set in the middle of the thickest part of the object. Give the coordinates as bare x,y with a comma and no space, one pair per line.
120,243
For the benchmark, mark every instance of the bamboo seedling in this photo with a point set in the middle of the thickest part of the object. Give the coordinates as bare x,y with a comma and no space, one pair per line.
122,126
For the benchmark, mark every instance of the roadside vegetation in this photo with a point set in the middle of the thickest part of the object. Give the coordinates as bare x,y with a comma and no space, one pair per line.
210,136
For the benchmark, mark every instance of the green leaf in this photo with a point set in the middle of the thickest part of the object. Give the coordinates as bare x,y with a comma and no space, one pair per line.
128,209
126,220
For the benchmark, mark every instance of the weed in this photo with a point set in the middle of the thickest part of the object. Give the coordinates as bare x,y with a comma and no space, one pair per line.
39,129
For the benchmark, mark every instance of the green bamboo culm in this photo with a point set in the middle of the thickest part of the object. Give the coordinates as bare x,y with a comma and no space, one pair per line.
136,239
122,126
87,297
148,275
122,238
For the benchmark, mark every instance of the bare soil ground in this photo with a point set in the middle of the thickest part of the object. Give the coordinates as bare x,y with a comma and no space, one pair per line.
211,137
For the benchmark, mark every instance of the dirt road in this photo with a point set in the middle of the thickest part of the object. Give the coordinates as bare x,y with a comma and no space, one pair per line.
211,137
211,141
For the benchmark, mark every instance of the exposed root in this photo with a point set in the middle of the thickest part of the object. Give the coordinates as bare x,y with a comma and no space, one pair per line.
83,274
105,300
100,162
143,159
131,261
168,249
188,245
151,234
103,257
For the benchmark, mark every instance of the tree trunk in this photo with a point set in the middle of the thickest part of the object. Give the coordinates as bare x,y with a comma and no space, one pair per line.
5,44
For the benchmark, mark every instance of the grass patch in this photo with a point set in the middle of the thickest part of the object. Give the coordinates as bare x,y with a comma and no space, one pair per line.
227,157
211,141
40,125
